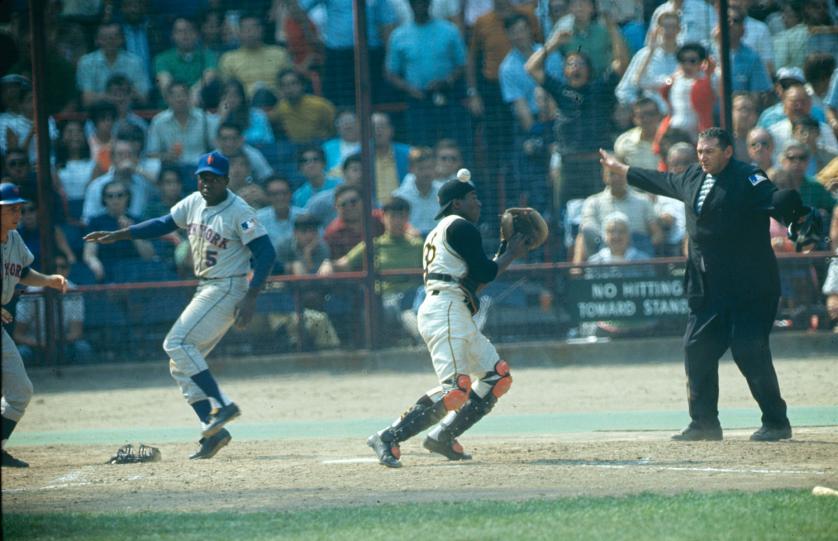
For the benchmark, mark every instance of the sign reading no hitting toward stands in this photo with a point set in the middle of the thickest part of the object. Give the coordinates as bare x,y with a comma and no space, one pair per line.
627,292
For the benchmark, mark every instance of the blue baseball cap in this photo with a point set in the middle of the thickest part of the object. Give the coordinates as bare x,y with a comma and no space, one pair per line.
10,194
214,162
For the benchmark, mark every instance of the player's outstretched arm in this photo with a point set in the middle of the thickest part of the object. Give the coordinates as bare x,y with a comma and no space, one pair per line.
149,229
35,278
107,237
612,164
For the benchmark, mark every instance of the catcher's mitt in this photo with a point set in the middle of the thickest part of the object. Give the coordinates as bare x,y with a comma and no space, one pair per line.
126,455
526,221
810,232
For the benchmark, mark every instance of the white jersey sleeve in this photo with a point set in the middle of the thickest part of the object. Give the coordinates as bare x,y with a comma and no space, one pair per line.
249,227
16,257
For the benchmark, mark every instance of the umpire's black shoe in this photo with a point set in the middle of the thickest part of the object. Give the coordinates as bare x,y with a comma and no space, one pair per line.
448,447
224,415
11,462
772,433
209,447
388,451
698,432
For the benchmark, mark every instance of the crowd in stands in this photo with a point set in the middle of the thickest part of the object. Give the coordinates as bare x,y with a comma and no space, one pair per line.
137,90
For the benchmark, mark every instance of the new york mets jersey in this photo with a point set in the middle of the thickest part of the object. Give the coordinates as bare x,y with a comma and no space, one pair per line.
16,257
218,234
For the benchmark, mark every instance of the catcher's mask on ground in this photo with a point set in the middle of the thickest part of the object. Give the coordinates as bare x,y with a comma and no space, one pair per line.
450,191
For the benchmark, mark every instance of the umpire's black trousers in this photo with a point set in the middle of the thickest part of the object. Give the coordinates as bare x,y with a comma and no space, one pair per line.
744,329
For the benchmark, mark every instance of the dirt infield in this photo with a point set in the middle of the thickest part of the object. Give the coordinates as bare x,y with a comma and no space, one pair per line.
301,440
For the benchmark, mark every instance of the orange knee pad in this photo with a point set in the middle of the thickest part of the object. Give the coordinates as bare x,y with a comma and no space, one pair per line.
455,398
503,384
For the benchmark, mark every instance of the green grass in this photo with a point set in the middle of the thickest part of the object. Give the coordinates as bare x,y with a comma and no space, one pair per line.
786,514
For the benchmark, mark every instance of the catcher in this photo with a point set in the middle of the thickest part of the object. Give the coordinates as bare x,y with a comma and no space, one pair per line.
455,268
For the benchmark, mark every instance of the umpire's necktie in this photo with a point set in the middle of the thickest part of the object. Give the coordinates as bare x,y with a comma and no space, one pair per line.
709,181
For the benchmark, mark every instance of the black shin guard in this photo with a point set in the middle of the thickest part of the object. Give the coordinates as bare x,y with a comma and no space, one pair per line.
422,415
475,409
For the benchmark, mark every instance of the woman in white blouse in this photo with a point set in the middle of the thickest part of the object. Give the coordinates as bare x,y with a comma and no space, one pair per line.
652,65
73,166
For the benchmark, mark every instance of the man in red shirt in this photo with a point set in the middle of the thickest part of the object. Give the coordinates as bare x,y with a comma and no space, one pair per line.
347,230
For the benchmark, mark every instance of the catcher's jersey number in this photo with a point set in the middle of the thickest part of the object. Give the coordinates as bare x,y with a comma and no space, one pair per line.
430,251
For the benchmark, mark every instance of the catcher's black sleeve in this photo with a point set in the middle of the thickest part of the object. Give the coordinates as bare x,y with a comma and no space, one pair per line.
465,239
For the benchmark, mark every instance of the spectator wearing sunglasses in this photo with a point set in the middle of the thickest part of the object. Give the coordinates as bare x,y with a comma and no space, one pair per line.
114,262
794,162
311,162
689,92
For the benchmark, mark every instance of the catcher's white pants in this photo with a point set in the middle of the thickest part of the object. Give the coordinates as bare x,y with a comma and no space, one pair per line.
17,389
200,327
455,343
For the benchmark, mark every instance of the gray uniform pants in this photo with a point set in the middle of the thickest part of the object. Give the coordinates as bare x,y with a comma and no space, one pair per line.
200,327
17,389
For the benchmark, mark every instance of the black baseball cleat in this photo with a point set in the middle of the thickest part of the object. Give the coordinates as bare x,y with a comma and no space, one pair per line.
450,448
696,432
209,447
224,415
388,452
11,462
772,433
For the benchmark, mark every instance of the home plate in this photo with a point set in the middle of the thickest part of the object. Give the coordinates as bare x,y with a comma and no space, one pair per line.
358,460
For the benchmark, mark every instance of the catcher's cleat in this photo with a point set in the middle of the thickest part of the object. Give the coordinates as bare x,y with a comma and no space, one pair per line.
450,448
224,415
11,462
388,452
209,447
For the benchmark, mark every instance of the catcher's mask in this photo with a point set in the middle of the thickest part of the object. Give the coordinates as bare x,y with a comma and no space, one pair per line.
451,190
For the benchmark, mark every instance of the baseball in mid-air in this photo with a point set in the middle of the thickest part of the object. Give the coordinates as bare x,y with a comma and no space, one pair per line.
464,175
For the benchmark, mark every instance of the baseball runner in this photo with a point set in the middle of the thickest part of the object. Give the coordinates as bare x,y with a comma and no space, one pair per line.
455,267
17,389
223,235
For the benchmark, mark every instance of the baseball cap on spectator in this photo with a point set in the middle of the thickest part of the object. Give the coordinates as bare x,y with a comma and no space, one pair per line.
10,194
790,74
15,79
451,190
214,162
303,221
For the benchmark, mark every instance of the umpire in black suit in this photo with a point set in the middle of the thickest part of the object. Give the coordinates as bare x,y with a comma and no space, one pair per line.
732,280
